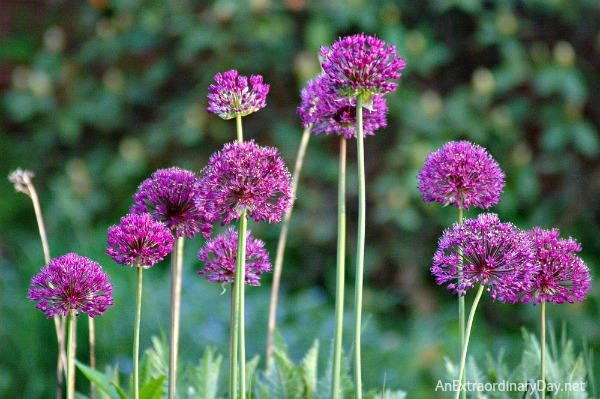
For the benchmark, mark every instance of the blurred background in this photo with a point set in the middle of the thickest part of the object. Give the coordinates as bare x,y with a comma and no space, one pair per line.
96,95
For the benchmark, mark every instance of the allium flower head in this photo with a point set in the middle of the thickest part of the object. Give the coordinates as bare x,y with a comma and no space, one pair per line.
244,177
139,240
21,179
332,113
488,252
232,96
311,97
562,276
220,255
463,174
168,195
361,65
71,283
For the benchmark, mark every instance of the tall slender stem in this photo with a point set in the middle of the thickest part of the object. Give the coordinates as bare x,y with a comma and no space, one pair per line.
278,265
463,356
238,372
59,323
461,308
238,126
92,340
233,343
241,266
40,220
543,350
340,272
136,335
360,248
176,264
70,356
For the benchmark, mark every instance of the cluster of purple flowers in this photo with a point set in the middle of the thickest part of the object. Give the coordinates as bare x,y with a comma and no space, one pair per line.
139,240
562,275
361,65
220,253
488,252
514,265
463,174
71,283
332,113
233,96
244,177
358,65
169,195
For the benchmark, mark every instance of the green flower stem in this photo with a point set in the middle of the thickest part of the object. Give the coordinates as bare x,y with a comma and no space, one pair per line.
238,368
176,264
234,341
360,247
463,356
340,272
240,271
238,126
136,335
281,245
543,349
92,342
231,335
70,356
461,308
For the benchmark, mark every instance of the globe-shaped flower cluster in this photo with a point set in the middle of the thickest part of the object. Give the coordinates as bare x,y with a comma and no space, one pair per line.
485,251
463,174
220,254
71,283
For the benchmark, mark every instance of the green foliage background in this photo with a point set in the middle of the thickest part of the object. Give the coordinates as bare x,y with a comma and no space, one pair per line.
97,95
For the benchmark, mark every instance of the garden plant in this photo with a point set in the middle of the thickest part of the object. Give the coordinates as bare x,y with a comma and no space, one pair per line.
217,220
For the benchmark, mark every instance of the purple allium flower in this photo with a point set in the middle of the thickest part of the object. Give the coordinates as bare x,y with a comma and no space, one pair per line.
562,275
168,195
71,282
311,97
244,176
232,96
332,113
461,173
361,65
220,254
488,252
139,240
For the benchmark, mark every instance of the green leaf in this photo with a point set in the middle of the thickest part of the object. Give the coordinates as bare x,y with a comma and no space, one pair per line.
202,381
325,382
308,370
250,372
154,362
284,380
102,381
154,389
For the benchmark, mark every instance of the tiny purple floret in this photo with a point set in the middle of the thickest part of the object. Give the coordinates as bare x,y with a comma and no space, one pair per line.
71,283
233,96
219,255
563,276
488,252
139,240
244,177
461,173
